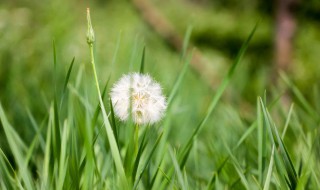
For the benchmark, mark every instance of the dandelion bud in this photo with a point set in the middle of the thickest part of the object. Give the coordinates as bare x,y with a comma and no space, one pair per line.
139,95
90,33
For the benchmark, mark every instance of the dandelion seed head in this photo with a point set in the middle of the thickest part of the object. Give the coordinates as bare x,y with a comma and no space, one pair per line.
139,94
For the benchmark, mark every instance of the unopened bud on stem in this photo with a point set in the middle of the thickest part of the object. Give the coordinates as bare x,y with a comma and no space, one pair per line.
90,33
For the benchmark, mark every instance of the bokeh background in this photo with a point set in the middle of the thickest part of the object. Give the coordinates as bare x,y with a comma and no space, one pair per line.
287,39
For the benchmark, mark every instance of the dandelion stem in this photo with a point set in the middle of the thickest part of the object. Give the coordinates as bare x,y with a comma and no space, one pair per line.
111,138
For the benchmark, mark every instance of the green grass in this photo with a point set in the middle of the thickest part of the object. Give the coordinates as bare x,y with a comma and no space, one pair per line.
203,142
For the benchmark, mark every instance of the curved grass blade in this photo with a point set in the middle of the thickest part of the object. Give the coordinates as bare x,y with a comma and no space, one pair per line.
68,75
186,41
185,151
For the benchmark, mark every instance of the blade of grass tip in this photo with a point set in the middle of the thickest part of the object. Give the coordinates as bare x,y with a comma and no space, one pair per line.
262,143
143,60
276,139
267,129
267,121
186,41
147,161
237,167
269,174
68,76
219,93
287,121
112,142
16,150
245,135
177,169
179,80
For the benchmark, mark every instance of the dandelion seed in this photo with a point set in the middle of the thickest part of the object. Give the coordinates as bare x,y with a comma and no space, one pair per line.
141,94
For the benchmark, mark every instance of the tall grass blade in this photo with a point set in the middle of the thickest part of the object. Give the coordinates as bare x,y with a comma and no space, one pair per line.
179,80
68,76
186,41
276,139
185,151
262,143
63,162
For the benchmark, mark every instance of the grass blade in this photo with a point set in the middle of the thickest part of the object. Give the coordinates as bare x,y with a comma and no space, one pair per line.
237,167
276,139
16,150
142,147
68,75
143,60
147,161
177,169
269,174
185,151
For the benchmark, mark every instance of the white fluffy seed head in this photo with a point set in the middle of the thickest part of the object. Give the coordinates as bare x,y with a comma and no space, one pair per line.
139,94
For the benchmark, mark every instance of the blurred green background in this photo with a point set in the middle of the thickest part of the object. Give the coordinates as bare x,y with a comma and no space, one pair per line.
28,28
